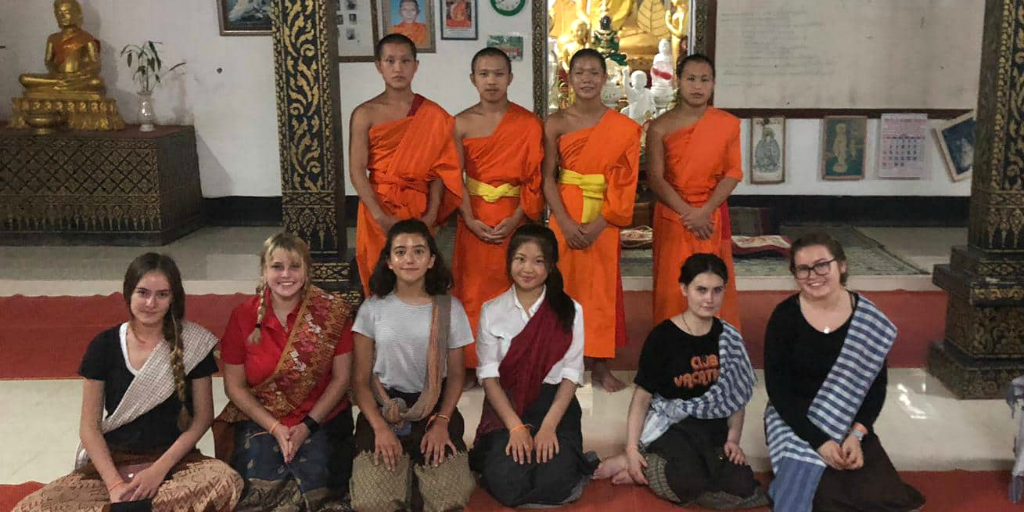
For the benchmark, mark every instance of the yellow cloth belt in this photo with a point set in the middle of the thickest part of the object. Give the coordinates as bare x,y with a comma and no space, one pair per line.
593,187
491,193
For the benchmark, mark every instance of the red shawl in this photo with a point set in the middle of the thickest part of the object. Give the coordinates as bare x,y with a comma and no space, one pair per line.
532,353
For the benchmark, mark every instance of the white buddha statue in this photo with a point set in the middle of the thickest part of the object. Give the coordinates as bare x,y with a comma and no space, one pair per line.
641,100
663,75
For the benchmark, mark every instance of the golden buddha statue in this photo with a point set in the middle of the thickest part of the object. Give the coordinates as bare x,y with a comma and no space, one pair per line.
570,43
679,26
72,90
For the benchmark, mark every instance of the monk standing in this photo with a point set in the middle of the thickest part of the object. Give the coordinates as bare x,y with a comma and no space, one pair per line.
693,154
402,160
502,151
591,160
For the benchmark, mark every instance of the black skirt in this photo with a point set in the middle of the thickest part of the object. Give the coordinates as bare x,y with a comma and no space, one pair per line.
555,482
875,487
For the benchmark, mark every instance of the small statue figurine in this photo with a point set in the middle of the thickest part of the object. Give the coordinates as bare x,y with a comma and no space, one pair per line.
679,27
606,41
662,75
641,100
569,46
72,60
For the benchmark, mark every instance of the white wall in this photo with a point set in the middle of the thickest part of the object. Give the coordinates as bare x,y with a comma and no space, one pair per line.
227,91
226,88
803,174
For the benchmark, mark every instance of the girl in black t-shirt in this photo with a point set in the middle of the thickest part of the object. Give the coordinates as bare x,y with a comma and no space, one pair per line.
693,453
152,376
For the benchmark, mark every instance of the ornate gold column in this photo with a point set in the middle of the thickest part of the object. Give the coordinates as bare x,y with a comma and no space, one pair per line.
984,345
309,134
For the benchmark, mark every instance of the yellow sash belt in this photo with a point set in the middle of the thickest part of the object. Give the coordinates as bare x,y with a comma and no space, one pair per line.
593,187
490,193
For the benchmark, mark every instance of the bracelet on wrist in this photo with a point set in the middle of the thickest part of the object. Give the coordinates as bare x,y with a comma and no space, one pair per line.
858,433
521,426
311,424
115,486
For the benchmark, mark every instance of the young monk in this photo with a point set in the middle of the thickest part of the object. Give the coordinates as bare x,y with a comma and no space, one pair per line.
693,165
591,159
402,161
529,444
501,150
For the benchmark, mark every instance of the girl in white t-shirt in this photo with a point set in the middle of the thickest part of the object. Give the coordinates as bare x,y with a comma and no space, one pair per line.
408,336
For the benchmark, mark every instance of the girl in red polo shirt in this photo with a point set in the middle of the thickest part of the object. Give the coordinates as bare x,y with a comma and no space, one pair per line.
287,353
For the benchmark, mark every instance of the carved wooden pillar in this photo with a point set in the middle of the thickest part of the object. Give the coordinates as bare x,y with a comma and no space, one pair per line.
984,343
309,134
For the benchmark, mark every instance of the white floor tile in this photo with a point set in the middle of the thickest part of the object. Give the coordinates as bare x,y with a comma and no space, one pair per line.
922,426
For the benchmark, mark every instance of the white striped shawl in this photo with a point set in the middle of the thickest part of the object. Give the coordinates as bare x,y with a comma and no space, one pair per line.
731,393
797,466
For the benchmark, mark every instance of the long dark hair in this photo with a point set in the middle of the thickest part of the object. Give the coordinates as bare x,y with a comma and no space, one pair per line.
555,294
175,315
438,279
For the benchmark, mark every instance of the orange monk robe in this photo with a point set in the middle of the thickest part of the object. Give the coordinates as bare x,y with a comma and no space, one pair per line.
405,156
697,158
610,149
511,155
459,17
414,30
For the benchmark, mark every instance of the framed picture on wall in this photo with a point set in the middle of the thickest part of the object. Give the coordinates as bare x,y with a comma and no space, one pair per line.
244,17
358,30
842,147
956,141
768,150
414,19
459,19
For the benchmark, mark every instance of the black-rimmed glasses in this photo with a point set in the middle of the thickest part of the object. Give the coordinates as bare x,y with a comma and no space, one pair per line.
821,268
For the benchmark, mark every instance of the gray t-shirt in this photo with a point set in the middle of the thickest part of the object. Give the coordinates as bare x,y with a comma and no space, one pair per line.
401,333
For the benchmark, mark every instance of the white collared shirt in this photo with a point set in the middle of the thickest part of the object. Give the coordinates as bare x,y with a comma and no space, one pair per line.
503,318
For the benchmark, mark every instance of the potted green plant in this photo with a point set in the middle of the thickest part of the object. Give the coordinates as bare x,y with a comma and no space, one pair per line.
147,69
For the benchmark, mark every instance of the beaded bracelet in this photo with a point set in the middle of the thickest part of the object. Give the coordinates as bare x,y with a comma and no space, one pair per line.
527,426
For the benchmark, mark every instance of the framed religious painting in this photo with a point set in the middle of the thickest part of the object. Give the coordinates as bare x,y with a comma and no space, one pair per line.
768,150
244,17
842,147
956,141
358,30
412,18
459,19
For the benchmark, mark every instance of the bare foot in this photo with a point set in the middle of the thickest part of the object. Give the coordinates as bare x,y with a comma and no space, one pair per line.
610,467
623,478
602,376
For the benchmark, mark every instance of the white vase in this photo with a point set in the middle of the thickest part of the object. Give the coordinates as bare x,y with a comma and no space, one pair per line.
146,114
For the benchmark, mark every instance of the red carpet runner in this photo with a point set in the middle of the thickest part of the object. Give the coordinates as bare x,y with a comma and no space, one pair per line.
45,337
946,491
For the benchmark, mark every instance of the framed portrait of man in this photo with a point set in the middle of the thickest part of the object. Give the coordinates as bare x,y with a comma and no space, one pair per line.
244,17
842,147
414,19
358,30
956,141
767,150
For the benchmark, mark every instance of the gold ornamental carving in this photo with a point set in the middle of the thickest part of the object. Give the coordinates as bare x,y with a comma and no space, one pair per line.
71,92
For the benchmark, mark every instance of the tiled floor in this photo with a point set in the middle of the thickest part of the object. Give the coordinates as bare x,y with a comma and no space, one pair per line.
223,260
922,426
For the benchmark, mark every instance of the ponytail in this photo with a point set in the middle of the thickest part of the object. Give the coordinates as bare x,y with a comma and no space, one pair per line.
172,333
261,310
560,301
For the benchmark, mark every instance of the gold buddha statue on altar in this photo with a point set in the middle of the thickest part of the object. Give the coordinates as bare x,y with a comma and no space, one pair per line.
71,92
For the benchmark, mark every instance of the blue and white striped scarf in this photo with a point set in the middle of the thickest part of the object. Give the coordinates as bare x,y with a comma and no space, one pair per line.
731,393
797,466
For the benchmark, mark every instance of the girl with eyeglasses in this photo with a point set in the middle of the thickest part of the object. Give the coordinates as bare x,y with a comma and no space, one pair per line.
825,370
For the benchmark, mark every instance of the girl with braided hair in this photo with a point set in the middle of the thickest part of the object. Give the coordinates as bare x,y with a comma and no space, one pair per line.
152,376
286,354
